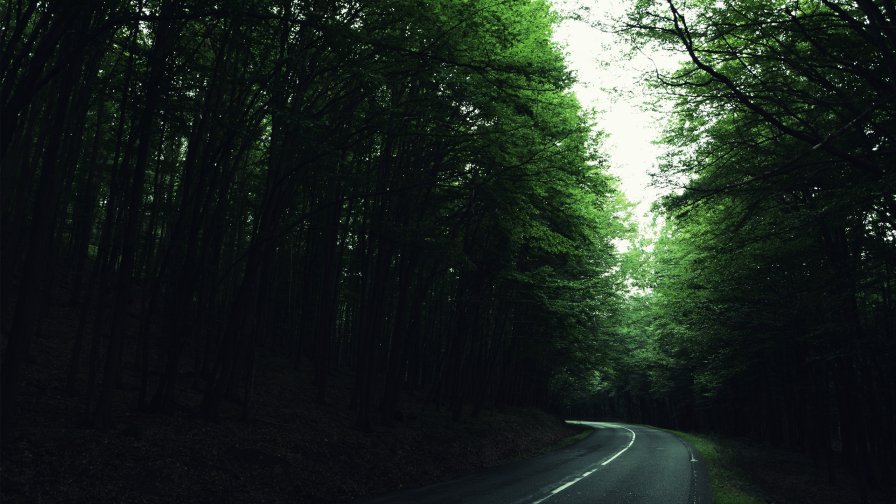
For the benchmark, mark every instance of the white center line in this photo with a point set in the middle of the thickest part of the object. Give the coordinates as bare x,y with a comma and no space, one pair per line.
564,487
630,443
586,474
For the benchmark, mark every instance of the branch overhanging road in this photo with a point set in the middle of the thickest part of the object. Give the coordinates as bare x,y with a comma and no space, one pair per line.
618,463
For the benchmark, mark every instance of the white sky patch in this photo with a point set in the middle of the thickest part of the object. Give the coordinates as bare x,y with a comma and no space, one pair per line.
612,84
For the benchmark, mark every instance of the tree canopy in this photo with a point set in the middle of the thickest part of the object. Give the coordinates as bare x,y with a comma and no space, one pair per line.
766,306
405,191
409,194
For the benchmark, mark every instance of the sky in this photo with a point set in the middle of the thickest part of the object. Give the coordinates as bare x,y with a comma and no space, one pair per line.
612,84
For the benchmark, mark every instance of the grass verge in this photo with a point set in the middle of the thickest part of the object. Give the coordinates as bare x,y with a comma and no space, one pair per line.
729,484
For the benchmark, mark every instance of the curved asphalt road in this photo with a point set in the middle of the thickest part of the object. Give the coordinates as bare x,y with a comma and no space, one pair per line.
619,463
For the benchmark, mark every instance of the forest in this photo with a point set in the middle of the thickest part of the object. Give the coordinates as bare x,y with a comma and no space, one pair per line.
764,305
406,202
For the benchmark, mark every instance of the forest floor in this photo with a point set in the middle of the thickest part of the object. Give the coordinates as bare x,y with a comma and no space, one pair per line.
292,450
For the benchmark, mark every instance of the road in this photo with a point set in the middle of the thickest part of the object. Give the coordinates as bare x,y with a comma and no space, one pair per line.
618,463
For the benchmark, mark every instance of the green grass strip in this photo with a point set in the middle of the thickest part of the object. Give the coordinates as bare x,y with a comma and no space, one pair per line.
729,485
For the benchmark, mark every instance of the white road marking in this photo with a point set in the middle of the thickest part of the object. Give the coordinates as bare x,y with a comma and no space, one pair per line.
588,473
630,443
564,487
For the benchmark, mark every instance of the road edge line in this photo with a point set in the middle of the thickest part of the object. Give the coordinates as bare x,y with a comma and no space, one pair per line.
630,443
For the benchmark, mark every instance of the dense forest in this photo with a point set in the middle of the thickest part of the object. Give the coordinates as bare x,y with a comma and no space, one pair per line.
409,194
406,190
764,307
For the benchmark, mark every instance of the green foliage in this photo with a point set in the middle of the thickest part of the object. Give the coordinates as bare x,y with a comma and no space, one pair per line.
765,301
410,186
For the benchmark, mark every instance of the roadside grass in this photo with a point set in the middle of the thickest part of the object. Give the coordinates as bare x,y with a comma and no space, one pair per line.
729,484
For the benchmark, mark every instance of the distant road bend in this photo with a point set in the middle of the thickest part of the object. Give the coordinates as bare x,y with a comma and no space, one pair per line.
619,463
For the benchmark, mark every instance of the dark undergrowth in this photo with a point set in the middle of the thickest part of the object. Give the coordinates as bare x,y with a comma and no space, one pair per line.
744,472
291,449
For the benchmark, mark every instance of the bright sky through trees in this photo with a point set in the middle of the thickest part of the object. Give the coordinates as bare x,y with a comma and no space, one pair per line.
611,82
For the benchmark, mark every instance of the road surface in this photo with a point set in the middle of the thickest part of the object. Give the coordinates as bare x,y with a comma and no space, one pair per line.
618,463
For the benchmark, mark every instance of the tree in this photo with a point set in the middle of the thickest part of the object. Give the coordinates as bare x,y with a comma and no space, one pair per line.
772,271
406,192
